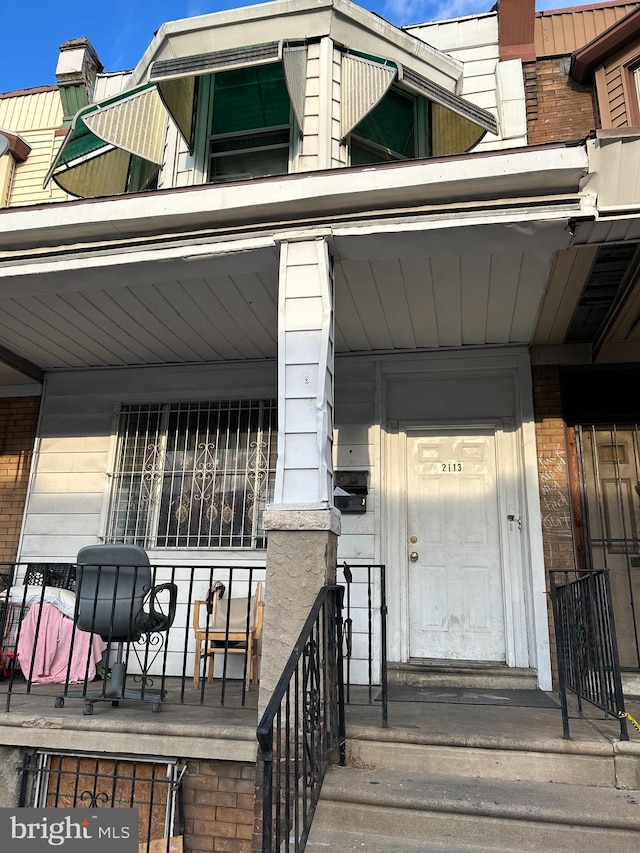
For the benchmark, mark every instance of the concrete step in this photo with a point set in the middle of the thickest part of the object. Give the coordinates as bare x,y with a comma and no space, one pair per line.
602,763
447,674
359,842
490,814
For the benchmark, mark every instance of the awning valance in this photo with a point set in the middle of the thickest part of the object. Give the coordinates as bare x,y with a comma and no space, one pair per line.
456,124
176,78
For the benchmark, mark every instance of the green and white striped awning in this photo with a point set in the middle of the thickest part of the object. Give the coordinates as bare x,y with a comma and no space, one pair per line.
95,157
457,124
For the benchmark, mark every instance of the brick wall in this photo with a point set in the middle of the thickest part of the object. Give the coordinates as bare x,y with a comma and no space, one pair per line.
18,423
558,109
218,806
553,473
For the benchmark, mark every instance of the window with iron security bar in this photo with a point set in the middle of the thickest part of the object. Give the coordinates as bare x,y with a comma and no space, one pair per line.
194,475
51,780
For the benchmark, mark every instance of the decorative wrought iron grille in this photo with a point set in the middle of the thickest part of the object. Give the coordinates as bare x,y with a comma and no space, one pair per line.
51,780
194,475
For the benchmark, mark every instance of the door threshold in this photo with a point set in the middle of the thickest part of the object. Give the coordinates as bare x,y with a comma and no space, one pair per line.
450,673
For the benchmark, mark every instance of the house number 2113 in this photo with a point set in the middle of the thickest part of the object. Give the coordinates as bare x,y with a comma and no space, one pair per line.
451,467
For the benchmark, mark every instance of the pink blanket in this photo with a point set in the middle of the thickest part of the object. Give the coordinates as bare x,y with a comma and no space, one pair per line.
48,661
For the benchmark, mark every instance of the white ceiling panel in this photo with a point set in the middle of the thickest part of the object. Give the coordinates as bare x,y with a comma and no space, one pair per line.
212,309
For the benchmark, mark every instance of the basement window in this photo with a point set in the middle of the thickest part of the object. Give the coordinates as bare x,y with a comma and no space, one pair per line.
54,780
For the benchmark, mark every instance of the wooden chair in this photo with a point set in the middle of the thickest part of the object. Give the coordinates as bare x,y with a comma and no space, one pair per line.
212,638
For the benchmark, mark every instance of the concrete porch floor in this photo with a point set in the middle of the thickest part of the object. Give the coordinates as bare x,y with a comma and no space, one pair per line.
486,725
210,730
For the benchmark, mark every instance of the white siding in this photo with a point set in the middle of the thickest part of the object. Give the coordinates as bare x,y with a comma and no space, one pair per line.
69,491
311,125
339,153
474,42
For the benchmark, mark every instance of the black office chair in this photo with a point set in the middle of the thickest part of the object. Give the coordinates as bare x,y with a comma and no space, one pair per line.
115,598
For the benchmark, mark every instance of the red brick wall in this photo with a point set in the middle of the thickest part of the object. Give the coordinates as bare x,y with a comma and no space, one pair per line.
218,806
553,473
558,109
18,423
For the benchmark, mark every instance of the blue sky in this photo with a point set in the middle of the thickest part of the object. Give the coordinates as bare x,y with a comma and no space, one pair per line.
120,30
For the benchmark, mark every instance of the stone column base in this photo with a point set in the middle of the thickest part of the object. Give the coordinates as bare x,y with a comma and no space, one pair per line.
301,559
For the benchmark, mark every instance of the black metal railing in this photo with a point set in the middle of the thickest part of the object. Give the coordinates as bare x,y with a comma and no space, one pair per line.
302,729
586,644
365,634
216,667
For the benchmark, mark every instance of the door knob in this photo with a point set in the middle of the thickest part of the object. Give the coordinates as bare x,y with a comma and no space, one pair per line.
413,556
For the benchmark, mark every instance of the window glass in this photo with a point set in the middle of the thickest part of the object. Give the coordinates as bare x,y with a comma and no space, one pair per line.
250,98
143,175
194,475
388,132
250,127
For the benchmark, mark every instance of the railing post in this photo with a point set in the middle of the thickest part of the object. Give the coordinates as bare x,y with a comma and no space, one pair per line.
617,679
338,674
265,759
560,653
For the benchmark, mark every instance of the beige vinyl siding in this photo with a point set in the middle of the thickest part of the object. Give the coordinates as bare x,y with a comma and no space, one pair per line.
7,165
310,147
339,153
177,169
26,187
35,117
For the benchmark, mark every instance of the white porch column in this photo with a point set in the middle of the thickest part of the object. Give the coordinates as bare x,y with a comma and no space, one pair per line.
302,523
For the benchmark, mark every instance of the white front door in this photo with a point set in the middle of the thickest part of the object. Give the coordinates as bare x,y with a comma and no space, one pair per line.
455,579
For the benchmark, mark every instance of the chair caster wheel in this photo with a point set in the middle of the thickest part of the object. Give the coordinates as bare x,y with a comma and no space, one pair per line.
156,707
88,709
58,702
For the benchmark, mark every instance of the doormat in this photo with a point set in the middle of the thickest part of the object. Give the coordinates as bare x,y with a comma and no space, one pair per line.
470,696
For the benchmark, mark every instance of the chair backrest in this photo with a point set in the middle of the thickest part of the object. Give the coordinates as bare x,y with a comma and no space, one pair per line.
237,609
111,588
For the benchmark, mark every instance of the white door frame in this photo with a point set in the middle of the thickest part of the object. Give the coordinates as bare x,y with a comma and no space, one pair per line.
533,632
509,533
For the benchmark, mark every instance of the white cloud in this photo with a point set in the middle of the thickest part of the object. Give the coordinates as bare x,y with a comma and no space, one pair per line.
402,12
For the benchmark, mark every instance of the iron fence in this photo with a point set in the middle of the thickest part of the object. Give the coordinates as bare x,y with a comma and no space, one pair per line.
214,663
365,634
586,644
302,729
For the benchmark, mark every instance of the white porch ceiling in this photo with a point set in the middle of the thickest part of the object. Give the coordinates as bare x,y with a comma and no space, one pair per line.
207,309
439,301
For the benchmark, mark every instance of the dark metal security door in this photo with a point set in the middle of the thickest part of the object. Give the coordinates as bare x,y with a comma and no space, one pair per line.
610,473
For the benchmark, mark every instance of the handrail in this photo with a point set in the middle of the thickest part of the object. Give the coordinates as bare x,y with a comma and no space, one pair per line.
306,709
586,644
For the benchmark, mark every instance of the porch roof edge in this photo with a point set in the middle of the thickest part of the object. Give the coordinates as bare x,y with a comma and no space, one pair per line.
505,177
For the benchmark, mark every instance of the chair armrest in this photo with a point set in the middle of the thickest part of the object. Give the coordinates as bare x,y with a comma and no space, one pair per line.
165,620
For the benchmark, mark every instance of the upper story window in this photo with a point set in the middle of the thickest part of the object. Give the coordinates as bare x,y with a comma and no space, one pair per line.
396,129
193,475
250,124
